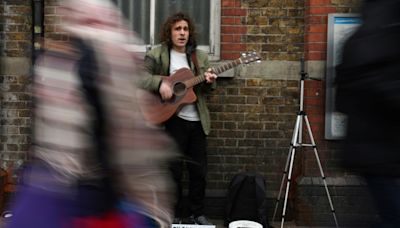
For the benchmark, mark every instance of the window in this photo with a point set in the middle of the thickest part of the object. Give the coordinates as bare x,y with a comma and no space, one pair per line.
147,16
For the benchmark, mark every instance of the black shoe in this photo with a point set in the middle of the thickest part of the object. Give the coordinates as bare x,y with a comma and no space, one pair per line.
200,220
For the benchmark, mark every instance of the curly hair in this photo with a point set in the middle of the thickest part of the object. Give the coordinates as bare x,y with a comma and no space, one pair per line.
165,35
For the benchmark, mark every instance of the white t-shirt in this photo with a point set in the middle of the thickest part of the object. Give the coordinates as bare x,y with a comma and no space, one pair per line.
178,60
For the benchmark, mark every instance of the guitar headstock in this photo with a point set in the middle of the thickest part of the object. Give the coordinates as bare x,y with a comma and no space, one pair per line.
250,57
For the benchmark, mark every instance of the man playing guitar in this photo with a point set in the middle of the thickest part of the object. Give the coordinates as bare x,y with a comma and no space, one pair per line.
190,124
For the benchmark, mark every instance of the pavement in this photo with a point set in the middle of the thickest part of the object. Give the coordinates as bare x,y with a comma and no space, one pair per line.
290,224
220,224
286,224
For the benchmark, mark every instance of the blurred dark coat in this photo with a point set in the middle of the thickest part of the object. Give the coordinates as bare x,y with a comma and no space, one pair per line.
368,91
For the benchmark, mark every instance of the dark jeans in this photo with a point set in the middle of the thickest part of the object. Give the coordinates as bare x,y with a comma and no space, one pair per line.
192,143
386,194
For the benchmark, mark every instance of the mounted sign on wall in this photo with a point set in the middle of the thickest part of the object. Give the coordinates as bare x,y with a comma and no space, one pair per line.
340,27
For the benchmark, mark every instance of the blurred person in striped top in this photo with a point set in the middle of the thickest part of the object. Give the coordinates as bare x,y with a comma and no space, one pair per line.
94,162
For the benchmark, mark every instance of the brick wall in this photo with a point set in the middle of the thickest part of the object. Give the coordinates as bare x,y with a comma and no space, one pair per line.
251,129
253,113
253,116
274,28
233,29
52,21
15,65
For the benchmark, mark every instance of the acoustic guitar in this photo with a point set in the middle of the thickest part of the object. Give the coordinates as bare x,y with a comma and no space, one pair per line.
156,110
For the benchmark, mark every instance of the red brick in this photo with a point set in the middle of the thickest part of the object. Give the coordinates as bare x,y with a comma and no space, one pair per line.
233,30
226,38
231,21
237,38
316,19
229,38
317,132
317,28
312,92
316,37
315,47
233,12
316,118
228,20
316,55
314,111
229,55
313,84
313,101
230,3
318,2
233,47
322,10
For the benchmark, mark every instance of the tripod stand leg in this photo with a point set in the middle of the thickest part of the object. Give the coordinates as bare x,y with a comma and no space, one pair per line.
282,182
320,168
285,171
288,169
288,185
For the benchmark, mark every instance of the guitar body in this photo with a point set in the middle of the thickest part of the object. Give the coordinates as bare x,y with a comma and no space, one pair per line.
155,110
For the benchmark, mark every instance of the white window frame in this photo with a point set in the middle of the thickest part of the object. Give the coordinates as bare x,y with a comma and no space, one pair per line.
213,49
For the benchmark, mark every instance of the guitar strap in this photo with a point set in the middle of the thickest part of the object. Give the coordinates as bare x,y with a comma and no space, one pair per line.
196,63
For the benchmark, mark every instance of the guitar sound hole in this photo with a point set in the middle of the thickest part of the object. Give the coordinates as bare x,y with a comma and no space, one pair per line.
179,89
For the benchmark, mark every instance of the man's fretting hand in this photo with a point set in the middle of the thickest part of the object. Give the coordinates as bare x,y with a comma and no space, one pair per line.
210,76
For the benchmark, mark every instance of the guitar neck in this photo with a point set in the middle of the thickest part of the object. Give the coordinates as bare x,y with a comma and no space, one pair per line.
224,67
217,70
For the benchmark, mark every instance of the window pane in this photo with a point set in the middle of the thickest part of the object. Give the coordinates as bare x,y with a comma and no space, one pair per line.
198,10
141,19
137,12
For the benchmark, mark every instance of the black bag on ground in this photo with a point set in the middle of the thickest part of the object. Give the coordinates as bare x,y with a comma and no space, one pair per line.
246,199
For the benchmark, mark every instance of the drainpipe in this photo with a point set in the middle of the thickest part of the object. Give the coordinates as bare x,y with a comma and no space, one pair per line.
37,27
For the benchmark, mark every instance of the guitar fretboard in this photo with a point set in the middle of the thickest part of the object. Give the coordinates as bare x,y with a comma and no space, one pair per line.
226,66
217,70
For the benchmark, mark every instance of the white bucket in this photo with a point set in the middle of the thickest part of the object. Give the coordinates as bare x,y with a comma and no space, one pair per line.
244,224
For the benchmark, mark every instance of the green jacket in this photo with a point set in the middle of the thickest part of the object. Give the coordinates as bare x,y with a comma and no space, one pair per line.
157,64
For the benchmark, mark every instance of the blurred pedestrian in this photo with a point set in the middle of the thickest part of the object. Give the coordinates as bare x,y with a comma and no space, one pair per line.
95,163
368,92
